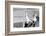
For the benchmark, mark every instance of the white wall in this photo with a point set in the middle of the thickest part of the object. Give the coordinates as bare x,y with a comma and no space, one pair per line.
2,18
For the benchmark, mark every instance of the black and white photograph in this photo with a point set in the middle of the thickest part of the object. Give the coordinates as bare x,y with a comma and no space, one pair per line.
25,17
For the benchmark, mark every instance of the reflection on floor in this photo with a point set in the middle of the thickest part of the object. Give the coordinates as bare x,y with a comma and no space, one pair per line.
18,24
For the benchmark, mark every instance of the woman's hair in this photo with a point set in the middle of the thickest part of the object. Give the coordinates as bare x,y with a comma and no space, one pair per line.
37,18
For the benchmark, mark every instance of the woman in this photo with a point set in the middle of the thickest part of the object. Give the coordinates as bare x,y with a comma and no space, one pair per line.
30,23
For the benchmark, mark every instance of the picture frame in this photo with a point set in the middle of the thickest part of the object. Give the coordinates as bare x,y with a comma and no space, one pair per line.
17,6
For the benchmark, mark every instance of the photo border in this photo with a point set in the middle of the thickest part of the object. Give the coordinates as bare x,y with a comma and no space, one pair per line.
30,28
7,17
